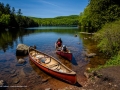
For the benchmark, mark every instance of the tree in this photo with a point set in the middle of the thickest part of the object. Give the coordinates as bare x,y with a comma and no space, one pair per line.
19,12
103,11
7,9
1,7
13,11
5,19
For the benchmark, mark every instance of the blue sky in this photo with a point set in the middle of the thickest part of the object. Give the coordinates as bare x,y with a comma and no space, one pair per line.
48,8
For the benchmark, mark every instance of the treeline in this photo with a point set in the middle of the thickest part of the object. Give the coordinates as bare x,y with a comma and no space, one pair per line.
58,21
99,12
11,18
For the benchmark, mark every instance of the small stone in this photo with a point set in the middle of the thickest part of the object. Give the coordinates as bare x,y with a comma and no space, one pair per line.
13,75
16,80
110,84
48,89
90,55
115,85
1,82
44,80
86,74
13,71
21,61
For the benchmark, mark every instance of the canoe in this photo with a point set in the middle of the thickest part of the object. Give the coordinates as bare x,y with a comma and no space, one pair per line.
67,55
52,66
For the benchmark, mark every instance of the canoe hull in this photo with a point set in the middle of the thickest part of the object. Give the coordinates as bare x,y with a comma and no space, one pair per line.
67,56
70,78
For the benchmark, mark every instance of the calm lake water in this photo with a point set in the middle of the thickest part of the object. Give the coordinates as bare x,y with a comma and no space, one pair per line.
27,75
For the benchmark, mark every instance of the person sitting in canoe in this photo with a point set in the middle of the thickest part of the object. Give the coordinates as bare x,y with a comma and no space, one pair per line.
64,48
59,43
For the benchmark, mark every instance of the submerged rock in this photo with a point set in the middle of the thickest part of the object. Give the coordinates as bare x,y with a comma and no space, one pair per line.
90,55
14,75
21,61
16,80
13,71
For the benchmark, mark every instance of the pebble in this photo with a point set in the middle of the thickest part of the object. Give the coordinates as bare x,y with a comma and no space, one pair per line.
16,80
1,82
13,75
44,80
21,61
48,89
12,72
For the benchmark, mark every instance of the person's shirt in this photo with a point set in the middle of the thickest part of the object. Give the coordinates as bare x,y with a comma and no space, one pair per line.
59,43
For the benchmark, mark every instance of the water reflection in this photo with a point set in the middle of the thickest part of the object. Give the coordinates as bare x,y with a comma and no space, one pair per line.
74,62
8,38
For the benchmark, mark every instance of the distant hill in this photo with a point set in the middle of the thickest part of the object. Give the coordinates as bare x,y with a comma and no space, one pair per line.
57,21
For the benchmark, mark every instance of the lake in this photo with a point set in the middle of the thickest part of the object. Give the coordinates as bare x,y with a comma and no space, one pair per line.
27,75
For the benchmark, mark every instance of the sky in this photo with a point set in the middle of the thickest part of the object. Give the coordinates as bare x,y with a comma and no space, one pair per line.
48,8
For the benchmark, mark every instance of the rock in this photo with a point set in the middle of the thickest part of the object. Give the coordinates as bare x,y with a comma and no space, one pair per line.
78,42
44,80
75,35
21,61
86,74
12,72
22,50
48,89
16,80
13,75
90,55
1,82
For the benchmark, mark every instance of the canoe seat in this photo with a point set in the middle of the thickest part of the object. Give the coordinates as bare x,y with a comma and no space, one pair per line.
54,66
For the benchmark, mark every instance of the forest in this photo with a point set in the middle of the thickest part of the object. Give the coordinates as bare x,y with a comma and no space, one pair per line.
10,18
71,20
99,12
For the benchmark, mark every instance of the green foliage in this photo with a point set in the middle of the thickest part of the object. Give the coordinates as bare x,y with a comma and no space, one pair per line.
99,12
84,19
108,38
102,11
58,21
113,61
8,18
5,19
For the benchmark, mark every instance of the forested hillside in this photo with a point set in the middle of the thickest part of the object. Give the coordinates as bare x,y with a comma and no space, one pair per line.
99,12
58,21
